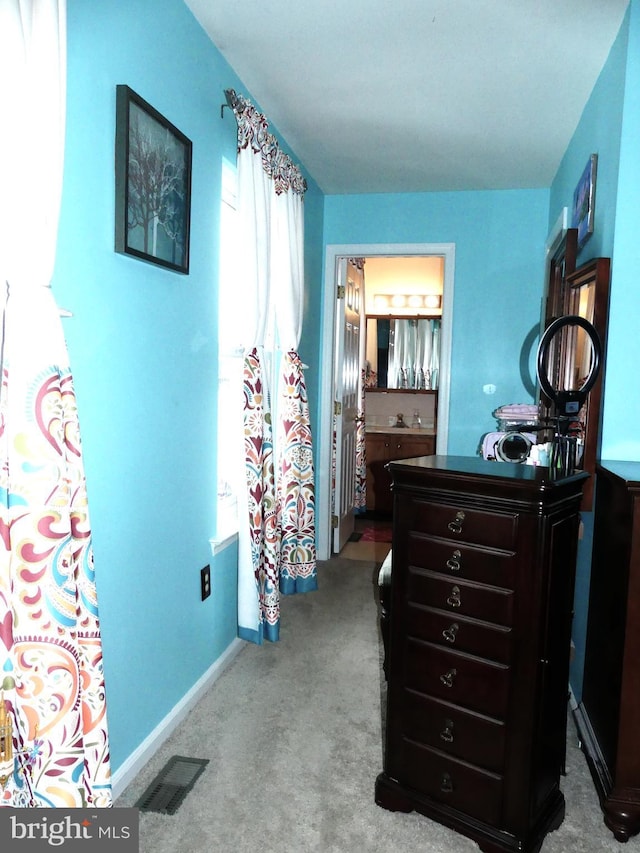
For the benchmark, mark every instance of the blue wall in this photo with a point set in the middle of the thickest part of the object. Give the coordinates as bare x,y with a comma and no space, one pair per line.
598,132
620,437
499,240
610,127
143,340
143,347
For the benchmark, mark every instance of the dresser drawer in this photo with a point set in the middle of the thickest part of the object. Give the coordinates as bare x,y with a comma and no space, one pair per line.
491,529
476,792
476,684
459,632
489,603
453,730
462,561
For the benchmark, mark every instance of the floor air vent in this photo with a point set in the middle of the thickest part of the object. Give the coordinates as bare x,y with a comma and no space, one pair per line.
167,791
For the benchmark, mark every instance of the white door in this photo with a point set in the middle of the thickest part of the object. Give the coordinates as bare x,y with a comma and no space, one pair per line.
350,300
325,472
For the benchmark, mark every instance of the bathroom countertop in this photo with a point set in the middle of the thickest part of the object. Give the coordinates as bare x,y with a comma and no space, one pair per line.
389,430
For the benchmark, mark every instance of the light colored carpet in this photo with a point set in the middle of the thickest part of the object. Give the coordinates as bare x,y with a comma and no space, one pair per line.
292,732
368,551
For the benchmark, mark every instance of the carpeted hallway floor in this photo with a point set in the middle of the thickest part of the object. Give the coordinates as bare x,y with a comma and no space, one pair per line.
371,541
293,735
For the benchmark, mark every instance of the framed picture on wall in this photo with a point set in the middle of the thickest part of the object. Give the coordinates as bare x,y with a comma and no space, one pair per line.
584,200
153,184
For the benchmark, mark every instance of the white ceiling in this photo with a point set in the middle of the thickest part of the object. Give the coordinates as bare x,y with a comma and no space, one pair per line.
418,95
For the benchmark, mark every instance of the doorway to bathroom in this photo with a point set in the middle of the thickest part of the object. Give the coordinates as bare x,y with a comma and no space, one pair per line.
328,478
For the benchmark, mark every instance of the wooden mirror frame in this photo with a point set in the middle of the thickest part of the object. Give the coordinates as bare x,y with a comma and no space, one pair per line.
563,297
561,264
594,273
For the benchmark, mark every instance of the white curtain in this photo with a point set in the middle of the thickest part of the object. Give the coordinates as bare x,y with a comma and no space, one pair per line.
277,522
287,268
294,475
434,373
398,342
414,359
423,354
257,544
52,696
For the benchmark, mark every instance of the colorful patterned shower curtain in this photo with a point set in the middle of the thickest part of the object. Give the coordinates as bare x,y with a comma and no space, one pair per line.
54,749
360,495
279,521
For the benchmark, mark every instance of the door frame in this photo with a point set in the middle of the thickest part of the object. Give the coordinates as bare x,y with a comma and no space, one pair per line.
327,379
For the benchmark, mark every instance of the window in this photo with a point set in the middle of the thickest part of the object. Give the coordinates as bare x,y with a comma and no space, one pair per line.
230,457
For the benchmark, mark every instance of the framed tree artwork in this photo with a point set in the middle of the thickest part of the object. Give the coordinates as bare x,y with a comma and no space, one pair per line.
153,184
584,201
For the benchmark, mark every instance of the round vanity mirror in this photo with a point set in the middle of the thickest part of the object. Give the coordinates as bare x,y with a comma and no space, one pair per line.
513,447
568,363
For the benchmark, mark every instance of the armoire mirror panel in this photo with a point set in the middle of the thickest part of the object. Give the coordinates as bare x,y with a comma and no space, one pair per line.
583,292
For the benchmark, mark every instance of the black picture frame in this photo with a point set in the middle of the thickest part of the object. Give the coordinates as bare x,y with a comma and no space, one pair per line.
153,184
584,201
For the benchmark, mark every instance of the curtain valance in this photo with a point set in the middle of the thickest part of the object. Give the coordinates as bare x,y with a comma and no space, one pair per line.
253,131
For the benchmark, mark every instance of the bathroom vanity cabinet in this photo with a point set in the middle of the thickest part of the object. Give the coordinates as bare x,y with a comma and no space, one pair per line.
479,636
384,447
607,717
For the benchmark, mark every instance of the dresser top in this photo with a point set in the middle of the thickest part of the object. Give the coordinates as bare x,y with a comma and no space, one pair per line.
538,476
627,471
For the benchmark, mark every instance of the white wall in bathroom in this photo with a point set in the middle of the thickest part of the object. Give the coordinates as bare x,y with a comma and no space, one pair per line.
380,406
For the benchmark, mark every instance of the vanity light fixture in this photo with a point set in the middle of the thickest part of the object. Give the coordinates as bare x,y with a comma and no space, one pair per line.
384,302
381,302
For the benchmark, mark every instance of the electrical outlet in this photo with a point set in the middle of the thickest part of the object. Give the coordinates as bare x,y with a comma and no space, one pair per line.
205,582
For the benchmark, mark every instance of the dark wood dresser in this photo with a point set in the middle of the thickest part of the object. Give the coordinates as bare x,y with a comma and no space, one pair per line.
480,621
608,717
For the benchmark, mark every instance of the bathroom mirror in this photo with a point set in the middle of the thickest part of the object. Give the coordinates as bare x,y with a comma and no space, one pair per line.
403,353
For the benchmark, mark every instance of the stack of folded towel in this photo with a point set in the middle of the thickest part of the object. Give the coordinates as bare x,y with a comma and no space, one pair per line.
523,412
516,415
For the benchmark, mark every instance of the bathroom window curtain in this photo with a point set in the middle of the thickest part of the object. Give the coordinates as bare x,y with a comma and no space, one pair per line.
415,356
277,522
54,750
424,353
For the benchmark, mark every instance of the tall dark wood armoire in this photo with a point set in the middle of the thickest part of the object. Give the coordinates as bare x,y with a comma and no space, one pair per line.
479,636
608,717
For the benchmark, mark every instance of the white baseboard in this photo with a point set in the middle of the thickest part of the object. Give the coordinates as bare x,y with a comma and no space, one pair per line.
130,768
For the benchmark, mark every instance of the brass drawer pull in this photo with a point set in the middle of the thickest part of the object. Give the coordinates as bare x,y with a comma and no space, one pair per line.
453,563
454,599
448,677
450,633
455,526
446,783
447,733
